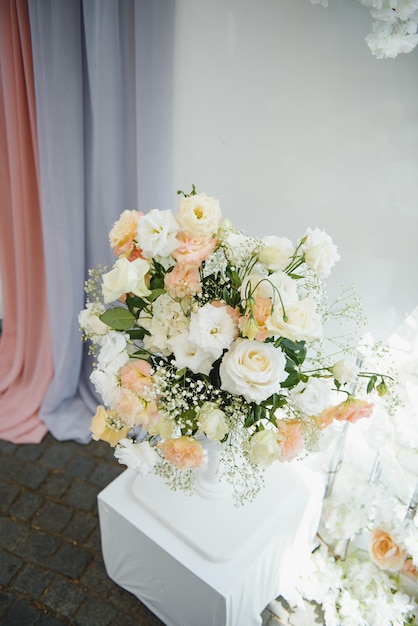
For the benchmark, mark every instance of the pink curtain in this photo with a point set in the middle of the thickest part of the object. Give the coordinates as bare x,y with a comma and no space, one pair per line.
25,347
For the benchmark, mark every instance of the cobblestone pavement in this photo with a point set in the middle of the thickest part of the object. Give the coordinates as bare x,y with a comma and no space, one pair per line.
51,567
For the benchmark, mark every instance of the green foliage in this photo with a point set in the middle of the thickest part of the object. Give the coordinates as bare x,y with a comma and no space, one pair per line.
118,318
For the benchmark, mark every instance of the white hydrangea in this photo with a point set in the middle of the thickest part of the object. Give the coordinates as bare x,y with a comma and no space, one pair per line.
167,321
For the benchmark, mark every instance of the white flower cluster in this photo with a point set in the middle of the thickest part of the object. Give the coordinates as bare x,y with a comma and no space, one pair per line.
364,568
394,30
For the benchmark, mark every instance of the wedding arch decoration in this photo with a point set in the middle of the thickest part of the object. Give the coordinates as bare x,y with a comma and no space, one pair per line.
394,29
203,334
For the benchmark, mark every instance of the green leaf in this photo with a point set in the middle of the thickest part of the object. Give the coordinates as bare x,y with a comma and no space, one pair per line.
137,333
134,303
118,318
371,383
235,280
251,419
292,380
156,293
156,282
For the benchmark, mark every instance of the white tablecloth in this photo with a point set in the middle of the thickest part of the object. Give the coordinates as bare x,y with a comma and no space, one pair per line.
207,563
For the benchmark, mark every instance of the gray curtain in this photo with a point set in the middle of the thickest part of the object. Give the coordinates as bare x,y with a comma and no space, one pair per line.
103,84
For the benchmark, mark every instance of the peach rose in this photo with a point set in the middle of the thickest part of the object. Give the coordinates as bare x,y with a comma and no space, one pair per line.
135,410
290,438
182,452
108,427
385,552
193,250
350,410
182,281
135,375
123,233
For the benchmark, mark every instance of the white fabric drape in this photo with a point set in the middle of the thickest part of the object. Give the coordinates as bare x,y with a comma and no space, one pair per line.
103,81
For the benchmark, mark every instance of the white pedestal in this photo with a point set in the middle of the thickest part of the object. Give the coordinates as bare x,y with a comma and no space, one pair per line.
197,562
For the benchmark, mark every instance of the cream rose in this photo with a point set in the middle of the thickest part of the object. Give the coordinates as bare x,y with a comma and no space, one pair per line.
199,215
302,321
125,277
264,448
212,421
276,252
252,369
385,552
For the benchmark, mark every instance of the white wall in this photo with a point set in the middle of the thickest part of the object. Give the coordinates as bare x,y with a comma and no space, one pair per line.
282,113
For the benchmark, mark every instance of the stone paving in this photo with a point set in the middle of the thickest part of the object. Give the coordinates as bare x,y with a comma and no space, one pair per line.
51,567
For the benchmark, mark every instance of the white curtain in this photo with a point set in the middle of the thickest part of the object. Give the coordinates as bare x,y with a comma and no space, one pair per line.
103,84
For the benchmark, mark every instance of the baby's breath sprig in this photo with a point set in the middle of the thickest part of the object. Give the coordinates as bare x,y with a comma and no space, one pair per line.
93,285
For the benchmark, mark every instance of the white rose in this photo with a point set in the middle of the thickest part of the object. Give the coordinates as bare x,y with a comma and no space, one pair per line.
252,369
113,353
345,370
199,215
212,421
187,354
125,277
270,286
264,448
311,398
107,386
211,329
157,232
276,252
320,253
302,321
89,321
140,457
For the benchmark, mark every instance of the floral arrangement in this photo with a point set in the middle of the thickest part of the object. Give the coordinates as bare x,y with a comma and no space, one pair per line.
394,29
363,570
202,333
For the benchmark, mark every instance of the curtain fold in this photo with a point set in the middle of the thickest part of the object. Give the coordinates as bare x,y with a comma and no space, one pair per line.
100,66
25,346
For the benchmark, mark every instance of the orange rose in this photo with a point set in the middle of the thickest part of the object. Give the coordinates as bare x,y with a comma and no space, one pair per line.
182,452
385,552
